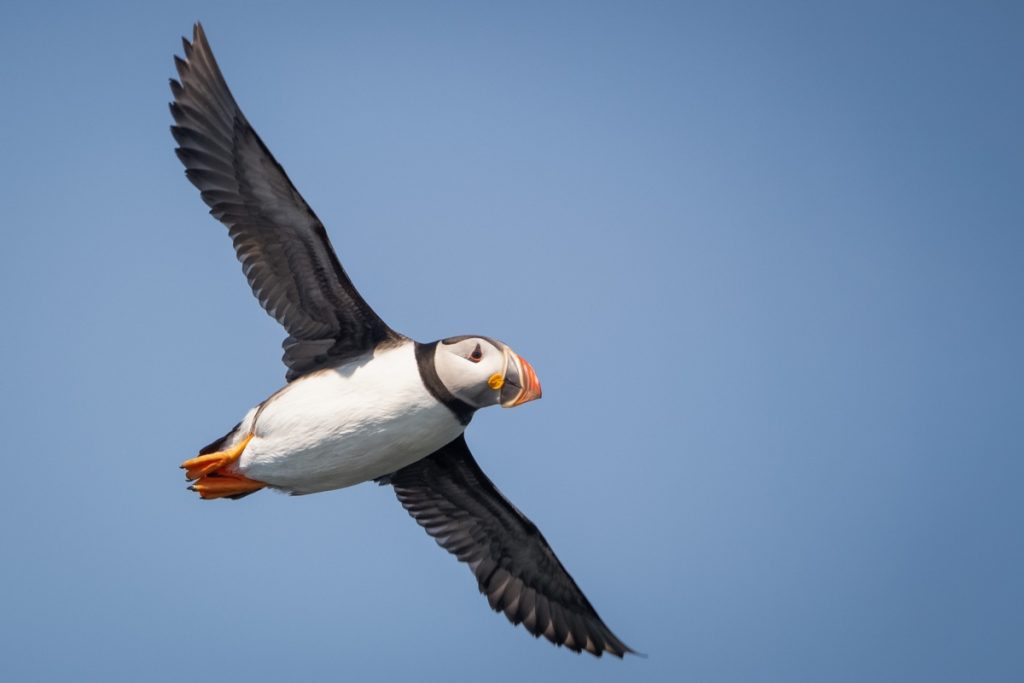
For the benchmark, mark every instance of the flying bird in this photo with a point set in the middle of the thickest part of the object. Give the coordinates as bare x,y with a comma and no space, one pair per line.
362,402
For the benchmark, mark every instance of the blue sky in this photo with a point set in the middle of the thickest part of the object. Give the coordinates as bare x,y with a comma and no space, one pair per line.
774,295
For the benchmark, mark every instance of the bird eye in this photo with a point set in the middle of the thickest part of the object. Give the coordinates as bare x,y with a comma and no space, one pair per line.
476,355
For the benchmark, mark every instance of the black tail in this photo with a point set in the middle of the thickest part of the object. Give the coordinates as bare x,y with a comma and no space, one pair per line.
218,445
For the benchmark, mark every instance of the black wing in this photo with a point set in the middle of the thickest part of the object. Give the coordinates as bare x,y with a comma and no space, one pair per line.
451,497
280,242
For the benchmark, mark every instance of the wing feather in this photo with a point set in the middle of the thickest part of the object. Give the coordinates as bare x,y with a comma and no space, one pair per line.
283,247
449,495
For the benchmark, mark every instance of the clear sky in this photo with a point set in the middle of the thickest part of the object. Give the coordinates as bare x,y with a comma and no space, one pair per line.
767,261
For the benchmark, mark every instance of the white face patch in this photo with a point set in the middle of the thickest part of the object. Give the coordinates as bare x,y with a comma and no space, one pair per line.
467,368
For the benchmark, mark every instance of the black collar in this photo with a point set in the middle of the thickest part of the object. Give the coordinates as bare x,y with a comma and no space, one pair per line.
428,373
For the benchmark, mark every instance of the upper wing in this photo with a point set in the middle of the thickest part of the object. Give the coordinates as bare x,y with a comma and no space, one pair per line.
451,497
282,245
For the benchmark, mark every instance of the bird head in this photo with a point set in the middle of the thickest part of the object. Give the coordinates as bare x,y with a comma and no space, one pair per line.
485,372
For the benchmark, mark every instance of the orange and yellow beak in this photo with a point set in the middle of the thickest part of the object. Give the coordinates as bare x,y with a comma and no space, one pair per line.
521,383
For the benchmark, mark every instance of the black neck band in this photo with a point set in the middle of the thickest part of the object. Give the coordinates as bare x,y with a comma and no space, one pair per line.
428,373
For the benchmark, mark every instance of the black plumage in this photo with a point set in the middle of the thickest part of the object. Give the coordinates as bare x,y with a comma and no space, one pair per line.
449,495
282,245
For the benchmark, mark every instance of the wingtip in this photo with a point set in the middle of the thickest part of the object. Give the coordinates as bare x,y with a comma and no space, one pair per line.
198,34
620,649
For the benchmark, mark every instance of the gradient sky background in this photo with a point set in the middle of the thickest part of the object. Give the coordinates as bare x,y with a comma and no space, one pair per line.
767,261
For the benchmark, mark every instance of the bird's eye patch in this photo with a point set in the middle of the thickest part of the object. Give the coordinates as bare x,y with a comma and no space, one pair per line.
476,355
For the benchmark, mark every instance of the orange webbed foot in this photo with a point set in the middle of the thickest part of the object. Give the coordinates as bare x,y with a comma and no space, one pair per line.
211,478
204,465
225,486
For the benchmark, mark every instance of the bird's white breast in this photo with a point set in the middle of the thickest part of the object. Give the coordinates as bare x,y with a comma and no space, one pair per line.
342,426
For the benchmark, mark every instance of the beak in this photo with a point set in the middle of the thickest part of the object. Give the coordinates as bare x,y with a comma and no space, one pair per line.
521,383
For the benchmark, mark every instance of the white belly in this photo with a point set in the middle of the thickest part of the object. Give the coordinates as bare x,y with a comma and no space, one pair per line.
347,425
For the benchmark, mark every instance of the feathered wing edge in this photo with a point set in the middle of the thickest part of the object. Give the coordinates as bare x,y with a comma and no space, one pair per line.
283,247
449,495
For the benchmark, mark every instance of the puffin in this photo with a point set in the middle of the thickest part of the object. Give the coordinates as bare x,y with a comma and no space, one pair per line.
362,402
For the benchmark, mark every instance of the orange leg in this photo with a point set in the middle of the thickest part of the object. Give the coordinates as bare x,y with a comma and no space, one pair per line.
203,465
211,479
222,486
